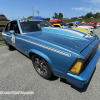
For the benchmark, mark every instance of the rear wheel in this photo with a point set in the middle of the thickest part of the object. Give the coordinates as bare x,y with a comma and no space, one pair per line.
41,66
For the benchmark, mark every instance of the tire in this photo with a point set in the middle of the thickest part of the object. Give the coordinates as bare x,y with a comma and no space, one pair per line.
41,66
9,46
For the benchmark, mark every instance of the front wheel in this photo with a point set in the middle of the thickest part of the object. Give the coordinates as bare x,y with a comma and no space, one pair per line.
42,67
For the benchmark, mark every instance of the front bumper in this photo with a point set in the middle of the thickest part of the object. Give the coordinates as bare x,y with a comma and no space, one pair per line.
84,77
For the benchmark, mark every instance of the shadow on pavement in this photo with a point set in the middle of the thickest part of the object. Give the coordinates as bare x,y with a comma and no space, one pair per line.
76,88
53,78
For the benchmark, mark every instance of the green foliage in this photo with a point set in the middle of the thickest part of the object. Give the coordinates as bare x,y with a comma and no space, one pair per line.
55,15
58,16
30,17
85,20
74,18
2,43
82,17
97,15
48,19
0,36
88,15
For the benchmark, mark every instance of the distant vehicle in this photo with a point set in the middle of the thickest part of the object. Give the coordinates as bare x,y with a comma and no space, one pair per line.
91,24
65,53
63,25
98,24
89,28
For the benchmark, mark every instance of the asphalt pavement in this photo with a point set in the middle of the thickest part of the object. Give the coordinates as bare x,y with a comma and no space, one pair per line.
18,74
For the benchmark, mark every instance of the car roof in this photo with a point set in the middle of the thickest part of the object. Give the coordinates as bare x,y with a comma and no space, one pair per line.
24,19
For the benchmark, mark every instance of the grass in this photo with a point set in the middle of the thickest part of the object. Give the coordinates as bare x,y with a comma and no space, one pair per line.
2,43
0,36
3,22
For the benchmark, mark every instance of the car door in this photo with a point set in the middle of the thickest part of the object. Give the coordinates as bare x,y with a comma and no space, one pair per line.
16,38
7,34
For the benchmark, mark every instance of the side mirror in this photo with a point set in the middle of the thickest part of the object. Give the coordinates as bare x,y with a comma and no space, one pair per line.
12,32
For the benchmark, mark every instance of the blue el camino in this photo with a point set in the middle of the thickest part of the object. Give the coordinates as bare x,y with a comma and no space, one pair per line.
65,53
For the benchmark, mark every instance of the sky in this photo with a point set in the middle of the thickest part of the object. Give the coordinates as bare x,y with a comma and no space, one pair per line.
14,9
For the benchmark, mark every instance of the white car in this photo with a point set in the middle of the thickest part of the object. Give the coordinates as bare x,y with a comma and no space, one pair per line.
98,24
89,28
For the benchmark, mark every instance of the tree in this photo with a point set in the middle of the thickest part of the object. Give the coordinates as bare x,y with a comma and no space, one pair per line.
55,15
48,19
60,15
81,16
75,18
88,15
96,15
30,17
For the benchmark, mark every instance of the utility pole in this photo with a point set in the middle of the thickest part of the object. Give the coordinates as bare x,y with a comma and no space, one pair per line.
32,11
38,12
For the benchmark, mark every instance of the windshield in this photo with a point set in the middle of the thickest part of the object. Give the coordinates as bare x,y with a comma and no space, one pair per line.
33,25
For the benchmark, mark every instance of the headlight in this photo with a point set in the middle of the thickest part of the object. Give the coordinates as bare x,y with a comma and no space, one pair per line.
77,67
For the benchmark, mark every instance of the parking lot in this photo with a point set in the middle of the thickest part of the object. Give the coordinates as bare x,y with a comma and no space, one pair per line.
18,74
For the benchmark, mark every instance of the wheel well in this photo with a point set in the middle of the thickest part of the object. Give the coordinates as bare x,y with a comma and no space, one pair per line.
31,53
49,62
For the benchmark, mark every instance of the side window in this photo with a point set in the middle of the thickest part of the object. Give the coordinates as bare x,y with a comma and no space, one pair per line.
14,26
7,27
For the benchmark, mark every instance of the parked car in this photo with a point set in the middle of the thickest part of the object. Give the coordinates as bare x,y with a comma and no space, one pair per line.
91,24
98,24
89,28
65,53
63,25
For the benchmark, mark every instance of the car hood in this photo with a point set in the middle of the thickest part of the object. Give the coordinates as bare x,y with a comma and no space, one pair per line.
66,38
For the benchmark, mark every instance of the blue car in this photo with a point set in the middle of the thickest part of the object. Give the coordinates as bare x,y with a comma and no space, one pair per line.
66,53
